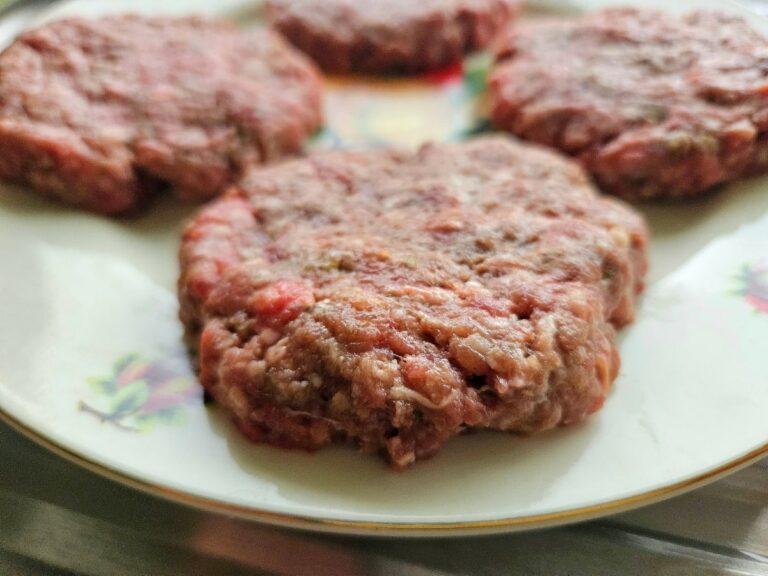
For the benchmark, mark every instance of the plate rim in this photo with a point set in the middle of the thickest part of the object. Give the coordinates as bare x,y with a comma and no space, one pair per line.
384,528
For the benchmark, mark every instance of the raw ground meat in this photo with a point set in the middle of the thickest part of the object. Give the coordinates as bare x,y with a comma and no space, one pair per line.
103,113
397,298
653,105
395,36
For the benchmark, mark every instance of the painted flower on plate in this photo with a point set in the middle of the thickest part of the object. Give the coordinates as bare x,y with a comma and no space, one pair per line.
754,284
140,394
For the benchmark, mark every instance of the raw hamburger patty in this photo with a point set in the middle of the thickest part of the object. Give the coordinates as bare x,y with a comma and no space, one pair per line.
101,113
396,298
653,105
394,36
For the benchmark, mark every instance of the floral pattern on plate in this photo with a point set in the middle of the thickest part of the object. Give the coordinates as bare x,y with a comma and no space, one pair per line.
753,280
382,112
141,394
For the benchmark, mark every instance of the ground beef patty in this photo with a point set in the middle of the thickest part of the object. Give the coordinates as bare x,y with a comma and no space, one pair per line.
653,105
394,36
398,298
101,113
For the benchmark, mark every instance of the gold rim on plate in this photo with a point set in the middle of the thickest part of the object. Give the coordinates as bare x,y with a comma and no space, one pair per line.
388,528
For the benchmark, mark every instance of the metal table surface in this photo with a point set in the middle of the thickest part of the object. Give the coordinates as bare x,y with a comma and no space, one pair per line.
58,519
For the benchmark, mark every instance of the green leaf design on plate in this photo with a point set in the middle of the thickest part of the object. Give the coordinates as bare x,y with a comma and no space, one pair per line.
476,71
123,362
168,416
129,399
140,394
102,385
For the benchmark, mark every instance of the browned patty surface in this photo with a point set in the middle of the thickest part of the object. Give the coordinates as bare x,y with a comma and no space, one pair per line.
102,113
392,36
397,298
653,105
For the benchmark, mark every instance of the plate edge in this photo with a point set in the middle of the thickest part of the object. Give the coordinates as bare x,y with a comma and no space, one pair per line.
387,529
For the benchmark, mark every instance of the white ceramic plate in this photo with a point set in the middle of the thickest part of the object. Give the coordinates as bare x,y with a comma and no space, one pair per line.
91,365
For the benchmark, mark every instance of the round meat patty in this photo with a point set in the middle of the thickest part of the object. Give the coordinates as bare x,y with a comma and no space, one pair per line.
394,36
398,298
653,105
101,113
